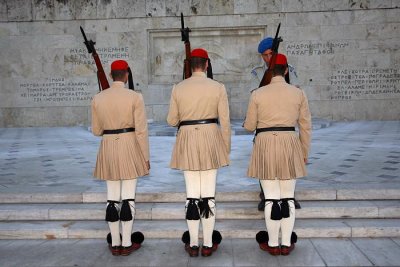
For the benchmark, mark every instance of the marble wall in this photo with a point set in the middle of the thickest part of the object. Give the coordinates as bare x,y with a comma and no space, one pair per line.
346,53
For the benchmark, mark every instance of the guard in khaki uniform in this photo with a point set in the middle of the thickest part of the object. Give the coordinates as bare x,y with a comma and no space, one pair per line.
118,115
196,106
279,155
265,50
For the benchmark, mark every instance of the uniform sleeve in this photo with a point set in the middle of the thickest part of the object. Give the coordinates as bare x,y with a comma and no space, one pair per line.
224,120
250,123
96,125
141,129
173,114
305,125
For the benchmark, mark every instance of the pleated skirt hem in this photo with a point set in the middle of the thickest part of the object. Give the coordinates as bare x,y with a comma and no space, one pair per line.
277,155
120,158
199,148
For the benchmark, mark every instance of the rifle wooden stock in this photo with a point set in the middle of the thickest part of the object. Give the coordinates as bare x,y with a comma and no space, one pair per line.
269,72
187,71
271,66
100,72
101,76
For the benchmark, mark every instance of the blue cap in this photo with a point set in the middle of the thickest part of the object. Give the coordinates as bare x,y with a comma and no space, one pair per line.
265,45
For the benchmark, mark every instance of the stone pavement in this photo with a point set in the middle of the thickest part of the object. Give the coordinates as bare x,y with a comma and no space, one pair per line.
344,156
232,252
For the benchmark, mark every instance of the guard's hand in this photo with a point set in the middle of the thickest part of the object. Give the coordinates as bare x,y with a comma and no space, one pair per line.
305,161
148,164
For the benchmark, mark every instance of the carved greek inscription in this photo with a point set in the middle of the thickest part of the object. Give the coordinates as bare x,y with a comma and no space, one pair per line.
54,92
315,48
354,84
80,56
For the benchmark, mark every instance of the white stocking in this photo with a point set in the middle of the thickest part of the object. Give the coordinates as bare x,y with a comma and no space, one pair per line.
287,224
113,193
208,182
192,181
128,192
271,191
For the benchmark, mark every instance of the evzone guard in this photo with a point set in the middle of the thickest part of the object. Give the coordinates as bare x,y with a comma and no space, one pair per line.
197,105
279,155
118,115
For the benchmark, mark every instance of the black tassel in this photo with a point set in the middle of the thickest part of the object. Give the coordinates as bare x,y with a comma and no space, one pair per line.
285,207
112,212
276,213
262,237
205,210
216,237
209,70
126,212
130,80
192,210
137,238
186,237
293,238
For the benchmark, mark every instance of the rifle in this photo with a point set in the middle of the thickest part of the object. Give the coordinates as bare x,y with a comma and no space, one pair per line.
187,72
101,76
271,66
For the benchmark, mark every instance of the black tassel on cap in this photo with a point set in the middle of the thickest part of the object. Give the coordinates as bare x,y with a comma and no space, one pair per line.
126,212
186,237
209,70
130,80
216,237
192,210
205,210
262,237
112,212
276,213
137,238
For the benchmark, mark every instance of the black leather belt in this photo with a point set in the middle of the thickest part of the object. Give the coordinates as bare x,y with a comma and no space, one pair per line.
194,122
275,129
119,131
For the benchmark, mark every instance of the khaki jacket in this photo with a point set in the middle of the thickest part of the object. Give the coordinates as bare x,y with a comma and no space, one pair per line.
280,104
199,98
118,108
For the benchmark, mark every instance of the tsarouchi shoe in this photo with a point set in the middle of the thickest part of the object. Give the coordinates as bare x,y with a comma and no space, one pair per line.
192,251
208,251
115,251
285,250
271,250
125,251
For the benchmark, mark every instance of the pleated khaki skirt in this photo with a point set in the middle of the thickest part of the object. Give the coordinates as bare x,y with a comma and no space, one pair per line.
199,148
277,155
120,158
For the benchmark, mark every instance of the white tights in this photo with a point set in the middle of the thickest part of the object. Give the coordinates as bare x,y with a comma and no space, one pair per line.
201,184
279,189
117,191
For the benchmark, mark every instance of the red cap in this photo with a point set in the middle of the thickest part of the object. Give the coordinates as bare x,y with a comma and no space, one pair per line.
199,52
119,65
281,59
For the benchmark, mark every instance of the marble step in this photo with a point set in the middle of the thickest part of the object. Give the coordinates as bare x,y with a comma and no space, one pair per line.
301,194
225,210
305,228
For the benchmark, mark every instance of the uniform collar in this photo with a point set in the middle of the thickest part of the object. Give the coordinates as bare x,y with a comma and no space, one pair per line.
118,84
278,79
199,74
